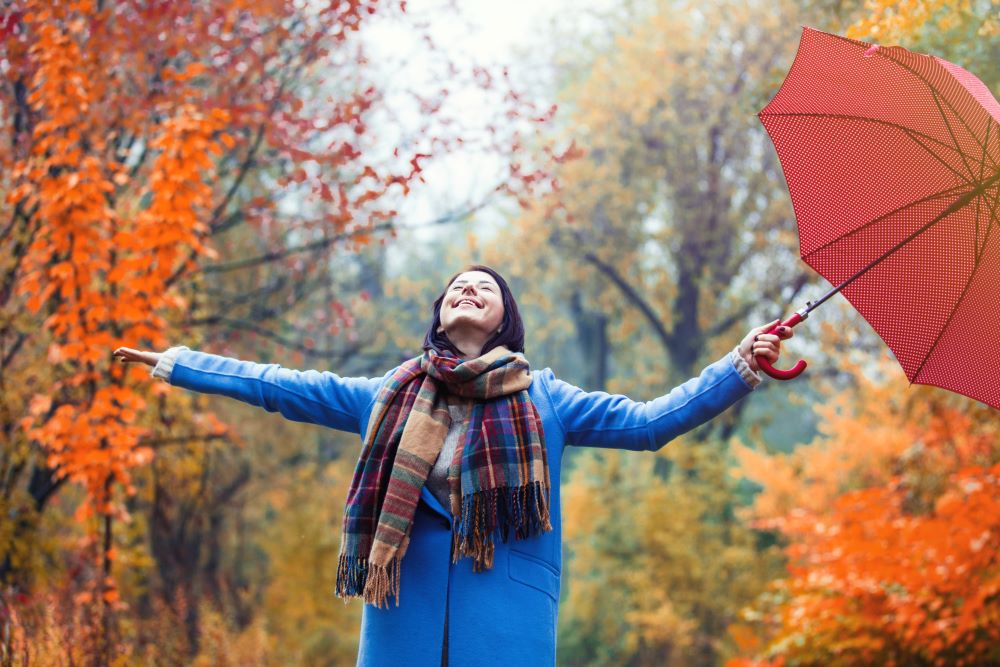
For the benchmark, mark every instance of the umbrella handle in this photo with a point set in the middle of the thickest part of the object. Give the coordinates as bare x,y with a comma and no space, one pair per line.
777,373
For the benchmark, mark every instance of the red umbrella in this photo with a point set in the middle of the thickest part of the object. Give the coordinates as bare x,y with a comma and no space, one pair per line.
892,160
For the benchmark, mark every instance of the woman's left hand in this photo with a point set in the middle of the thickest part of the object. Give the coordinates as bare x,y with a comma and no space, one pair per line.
757,343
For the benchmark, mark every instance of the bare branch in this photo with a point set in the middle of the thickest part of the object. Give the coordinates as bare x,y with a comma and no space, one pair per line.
181,440
253,327
226,493
721,326
9,355
214,225
632,295
326,242
275,255
226,301
244,168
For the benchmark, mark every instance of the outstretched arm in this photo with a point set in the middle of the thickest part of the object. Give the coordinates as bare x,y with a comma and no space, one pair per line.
599,419
317,397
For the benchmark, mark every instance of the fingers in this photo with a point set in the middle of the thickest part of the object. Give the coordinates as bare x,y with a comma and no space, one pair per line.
767,346
766,338
125,354
766,327
782,331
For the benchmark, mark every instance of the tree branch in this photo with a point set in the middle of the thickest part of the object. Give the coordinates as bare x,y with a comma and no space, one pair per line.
214,225
800,281
632,295
224,301
326,242
253,327
275,255
9,355
244,167
182,439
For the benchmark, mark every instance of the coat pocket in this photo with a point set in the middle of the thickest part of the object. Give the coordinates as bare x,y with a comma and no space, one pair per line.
535,573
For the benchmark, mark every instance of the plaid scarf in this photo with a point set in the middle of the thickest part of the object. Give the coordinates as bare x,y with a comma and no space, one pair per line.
498,480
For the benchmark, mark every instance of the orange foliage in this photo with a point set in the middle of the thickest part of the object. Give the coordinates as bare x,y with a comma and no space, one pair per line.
130,126
893,521
874,583
864,430
101,272
136,133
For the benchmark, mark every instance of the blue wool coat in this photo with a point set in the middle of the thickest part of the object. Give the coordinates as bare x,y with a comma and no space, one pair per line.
506,615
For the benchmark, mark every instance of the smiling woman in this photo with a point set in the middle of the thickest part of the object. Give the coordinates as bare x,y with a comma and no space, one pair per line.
478,309
452,524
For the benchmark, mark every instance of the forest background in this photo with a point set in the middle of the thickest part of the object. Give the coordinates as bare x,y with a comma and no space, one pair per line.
291,182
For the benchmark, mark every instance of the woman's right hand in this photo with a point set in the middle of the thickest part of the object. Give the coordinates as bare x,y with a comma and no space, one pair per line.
126,354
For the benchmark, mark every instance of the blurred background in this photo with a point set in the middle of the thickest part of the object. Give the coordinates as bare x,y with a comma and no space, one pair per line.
292,181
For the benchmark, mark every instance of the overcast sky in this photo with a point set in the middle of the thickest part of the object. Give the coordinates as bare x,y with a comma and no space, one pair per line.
488,32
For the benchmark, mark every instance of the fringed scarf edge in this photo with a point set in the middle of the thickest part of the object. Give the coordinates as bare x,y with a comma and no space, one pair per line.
486,515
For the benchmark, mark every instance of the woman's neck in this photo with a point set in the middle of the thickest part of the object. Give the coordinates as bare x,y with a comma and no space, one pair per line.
468,343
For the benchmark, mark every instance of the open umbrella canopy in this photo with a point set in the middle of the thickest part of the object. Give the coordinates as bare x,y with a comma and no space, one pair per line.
892,160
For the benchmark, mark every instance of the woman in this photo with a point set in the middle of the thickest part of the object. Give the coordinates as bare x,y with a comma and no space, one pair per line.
451,528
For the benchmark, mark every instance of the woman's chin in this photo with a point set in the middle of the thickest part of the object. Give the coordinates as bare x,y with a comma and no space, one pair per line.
467,325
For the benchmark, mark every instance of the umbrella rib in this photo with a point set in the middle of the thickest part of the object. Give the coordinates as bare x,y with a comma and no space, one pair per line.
924,200
982,166
986,142
990,224
866,119
934,92
983,145
977,262
937,157
951,132
975,236
955,206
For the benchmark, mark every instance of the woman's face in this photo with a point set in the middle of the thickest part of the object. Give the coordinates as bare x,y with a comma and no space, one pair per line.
472,302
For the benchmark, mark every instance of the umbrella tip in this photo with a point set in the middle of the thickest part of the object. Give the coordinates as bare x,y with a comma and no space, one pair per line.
871,50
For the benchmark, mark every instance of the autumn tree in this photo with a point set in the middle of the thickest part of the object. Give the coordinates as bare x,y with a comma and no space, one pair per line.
964,31
890,514
178,164
668,214
667,238
890,518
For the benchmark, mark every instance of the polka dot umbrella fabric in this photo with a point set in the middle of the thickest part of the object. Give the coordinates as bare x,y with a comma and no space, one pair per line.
892,159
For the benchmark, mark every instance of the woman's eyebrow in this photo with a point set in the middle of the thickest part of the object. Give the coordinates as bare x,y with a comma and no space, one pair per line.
481,282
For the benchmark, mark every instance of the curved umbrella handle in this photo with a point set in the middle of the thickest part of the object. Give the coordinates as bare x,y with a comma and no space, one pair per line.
777,373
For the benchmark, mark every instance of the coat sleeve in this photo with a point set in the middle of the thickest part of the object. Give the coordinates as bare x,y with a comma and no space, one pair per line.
599,419
316,397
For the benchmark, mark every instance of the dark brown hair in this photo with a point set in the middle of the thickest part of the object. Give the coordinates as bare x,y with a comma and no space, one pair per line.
511,333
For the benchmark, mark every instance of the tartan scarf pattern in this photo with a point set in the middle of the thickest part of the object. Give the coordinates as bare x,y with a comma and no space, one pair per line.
498,481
